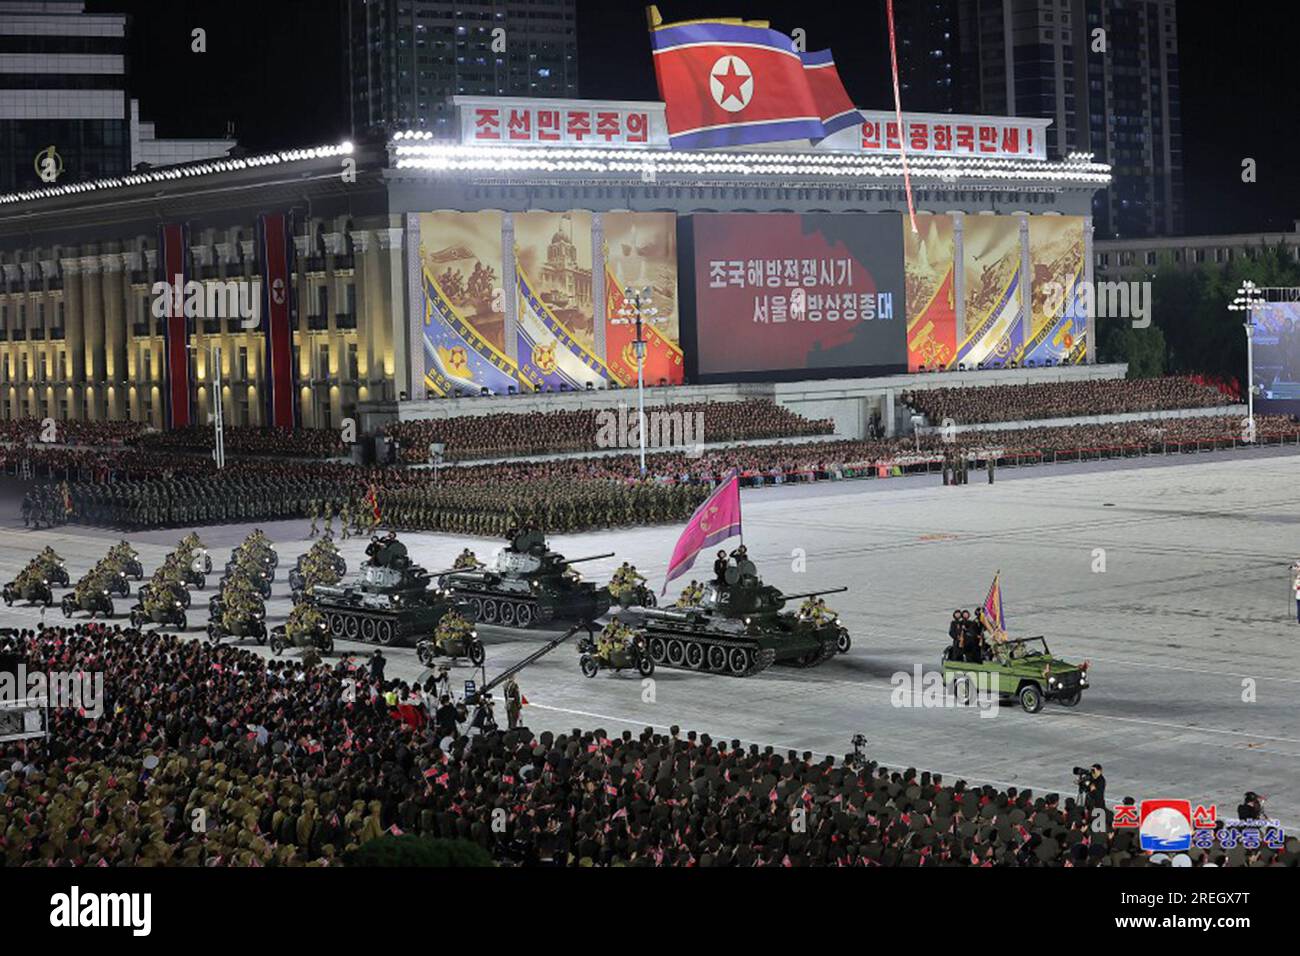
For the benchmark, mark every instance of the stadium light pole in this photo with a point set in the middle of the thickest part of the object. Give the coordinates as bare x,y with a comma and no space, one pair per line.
218,420
1248,298
637,303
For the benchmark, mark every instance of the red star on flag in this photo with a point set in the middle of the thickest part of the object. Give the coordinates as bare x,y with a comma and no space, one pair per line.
731,83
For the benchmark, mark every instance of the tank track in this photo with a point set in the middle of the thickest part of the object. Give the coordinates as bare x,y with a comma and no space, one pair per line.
715,654
502,610
371,627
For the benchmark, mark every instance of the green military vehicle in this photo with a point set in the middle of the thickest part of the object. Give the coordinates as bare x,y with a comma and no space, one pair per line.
1024,669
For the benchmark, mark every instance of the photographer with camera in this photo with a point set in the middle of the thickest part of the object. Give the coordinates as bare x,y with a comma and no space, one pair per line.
1092,786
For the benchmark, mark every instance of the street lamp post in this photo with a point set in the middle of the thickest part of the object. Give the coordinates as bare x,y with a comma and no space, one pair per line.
1249,297
637,303
218,417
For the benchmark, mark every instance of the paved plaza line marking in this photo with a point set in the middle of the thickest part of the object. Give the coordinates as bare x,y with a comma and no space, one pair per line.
1185,728
898,765
1196,670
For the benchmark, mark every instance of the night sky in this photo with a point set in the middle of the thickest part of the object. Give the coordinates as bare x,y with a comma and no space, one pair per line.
275,68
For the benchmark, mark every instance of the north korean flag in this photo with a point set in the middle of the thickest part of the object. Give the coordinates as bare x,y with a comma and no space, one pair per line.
731,83
836,110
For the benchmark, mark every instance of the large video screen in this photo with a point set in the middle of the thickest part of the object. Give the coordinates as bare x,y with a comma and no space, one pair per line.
1277,357
788,295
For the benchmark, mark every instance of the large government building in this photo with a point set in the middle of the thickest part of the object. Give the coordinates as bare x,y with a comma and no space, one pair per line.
418,268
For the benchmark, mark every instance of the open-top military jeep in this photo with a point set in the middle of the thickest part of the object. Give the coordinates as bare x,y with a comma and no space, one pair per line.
1023,668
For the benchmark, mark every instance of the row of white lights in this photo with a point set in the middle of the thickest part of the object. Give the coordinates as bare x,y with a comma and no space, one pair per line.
174,173
1079,168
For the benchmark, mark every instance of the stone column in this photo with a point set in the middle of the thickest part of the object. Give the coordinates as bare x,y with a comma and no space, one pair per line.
88,355
365,273
1091,348
115,320
398,366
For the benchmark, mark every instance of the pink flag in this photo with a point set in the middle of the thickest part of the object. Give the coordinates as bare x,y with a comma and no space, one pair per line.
715,520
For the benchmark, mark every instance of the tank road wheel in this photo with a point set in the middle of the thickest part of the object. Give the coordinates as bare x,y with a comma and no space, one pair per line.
738,660
385,632
475,653
694,655
507,614
489,611
645,666
523,616
589,667
843,642
350,628
1031,698
336,624
675,653
368,630
477,605
717,657
657,649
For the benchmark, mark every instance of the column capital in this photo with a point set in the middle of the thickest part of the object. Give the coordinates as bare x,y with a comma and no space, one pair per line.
90,264
390,238
71,267
360,240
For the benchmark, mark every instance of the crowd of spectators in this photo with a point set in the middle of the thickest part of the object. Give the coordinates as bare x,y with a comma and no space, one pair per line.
504,434
296,764
19,431
1070,399
249,440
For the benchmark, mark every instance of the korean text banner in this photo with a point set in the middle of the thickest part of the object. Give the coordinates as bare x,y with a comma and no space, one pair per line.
820,294
640,254
993,330
464,303
1059,316
931,292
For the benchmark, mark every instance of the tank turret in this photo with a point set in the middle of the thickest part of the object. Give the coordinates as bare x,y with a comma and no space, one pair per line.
526,583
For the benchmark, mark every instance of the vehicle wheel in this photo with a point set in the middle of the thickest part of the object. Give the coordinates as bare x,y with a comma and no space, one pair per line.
1031,698
523,616
694,655
589,667
1071,699
327,645
843,642
477,605
738,660
645,665
657,649
184,624
135,620
961,690
213,636
385,632
489,611
277,645
425,653
675,653
717,657
508,613
476,653
368,629
67,609
350,628
336,624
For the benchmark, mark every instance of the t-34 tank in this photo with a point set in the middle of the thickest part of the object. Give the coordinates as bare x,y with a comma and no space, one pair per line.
390,602
527,583
739,628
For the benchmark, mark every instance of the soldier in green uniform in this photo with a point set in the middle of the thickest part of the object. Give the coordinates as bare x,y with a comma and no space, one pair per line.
313,511
452,634
345,519
514,702
466,560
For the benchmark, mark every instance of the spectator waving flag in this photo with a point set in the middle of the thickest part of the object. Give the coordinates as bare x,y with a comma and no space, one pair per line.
733,82
993,616
717,519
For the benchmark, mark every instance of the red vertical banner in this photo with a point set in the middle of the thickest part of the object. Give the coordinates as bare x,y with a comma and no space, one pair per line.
173,246
275,245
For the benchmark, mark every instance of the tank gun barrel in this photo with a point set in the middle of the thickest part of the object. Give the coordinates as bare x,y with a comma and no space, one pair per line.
590,557
808,594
